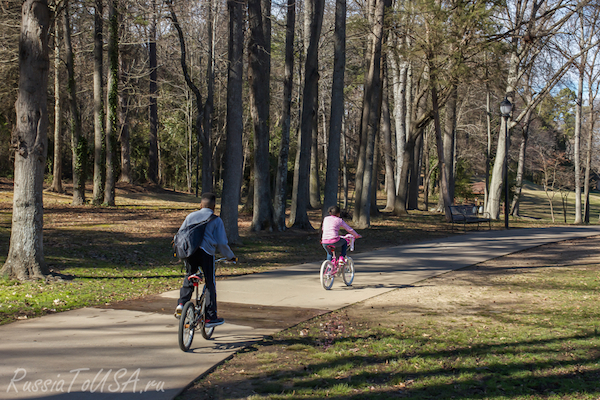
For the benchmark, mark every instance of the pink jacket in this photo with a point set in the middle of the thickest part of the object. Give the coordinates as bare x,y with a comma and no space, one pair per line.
331,229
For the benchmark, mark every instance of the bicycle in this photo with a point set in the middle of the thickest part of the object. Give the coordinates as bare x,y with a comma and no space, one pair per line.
193,315
332,268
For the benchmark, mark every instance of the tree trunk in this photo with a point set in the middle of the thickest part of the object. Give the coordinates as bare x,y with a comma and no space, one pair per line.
314,187
415,174
99,140
233,159
371,116
29,140
153,92
514,208
124,136
386,130
259,59
112,103
577,139
58,139
300,192
207,137
450,140
288,83
78,142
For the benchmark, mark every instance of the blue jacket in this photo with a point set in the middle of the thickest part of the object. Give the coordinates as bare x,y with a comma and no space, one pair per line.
214,235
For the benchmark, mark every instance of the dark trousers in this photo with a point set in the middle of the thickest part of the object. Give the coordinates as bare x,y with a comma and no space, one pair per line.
343,243
206,262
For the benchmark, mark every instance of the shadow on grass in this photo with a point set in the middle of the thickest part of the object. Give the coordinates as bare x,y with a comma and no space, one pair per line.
376,376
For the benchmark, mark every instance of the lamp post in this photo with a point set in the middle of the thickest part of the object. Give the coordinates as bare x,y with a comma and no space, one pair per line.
505,109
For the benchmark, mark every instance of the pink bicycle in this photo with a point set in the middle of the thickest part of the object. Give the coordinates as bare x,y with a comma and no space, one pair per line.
333,268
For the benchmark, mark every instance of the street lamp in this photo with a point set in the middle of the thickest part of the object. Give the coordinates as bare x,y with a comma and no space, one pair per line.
505,109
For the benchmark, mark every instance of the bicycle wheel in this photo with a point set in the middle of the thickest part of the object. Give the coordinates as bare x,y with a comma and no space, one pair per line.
206,332
348,271
327,276
187,325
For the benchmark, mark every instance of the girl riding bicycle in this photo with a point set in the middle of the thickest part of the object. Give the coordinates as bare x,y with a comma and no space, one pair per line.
331,232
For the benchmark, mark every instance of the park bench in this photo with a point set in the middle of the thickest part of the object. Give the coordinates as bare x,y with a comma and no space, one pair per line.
467,214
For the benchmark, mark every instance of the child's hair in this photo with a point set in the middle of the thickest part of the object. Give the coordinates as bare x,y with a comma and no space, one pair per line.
333,210
208,200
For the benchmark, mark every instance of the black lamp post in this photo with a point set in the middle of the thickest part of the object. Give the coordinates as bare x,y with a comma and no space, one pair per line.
505,109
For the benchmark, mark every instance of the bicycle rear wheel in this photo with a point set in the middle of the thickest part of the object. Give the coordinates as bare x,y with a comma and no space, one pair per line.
206,332
348,271
327,275
187,325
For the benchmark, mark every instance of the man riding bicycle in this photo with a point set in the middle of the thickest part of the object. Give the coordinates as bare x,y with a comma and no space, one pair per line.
204,257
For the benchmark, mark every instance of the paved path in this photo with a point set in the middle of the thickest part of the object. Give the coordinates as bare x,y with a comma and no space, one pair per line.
131,352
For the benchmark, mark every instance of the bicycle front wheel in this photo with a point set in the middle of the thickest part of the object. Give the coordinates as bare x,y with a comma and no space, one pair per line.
187,325
206,332
348,272
327,275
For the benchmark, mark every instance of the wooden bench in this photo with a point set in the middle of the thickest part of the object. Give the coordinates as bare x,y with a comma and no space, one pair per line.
467,214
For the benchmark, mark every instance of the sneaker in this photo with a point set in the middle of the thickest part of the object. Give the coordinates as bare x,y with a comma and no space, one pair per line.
342,260
209,323
178,311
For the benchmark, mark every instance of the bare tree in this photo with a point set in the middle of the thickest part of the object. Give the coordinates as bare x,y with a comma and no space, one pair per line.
99,133
26,252
288,82
300,192
58,139
337,108
233,160
259,59
153,91
112,103
78,142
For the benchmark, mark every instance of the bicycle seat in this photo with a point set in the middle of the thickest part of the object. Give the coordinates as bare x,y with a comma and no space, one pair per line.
331,247
195,279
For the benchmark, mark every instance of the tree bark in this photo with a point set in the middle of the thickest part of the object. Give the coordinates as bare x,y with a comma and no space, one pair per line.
58,139
259,59
386,130
233,159
124,135
300,192
112,103
288,83
371,115
337,108
99,139
207,137
153,92
30,142
78,142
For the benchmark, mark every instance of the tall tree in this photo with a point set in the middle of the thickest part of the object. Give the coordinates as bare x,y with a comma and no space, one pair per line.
78,142
29,140
337,108
530,25
153,91
112,103
207,137
99,139
259,60
124,134
233,159
300,191
279,203
58,139
371,115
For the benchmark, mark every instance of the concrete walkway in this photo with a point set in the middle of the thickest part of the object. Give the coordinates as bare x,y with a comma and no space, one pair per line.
131,352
